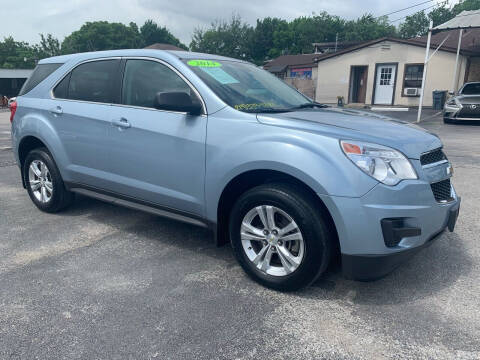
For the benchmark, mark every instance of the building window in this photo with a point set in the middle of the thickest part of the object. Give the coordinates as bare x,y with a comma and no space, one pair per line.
413,76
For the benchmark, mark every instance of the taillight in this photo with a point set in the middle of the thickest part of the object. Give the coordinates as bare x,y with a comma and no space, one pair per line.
13,109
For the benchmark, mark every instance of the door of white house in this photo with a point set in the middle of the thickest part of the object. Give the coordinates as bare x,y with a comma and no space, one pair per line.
385,84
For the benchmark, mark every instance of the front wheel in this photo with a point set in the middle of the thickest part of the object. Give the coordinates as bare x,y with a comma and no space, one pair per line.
279,236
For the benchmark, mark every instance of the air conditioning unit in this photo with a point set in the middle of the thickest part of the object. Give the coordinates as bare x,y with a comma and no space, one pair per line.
411,91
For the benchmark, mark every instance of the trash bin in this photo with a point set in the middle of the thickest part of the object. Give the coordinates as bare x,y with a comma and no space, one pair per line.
439,97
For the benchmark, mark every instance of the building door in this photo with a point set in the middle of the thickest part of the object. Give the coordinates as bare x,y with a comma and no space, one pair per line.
358,84
385,84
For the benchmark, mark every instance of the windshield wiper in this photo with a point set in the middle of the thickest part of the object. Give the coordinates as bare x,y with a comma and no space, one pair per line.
268,110
312,104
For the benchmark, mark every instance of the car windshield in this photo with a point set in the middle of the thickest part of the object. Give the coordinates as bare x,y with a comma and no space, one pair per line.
471,89
248,88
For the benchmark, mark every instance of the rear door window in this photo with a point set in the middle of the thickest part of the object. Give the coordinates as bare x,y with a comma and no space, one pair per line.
39,74
143,79
94,81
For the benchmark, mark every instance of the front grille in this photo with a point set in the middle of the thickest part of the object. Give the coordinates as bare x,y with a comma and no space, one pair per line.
442,190
468,112
432,157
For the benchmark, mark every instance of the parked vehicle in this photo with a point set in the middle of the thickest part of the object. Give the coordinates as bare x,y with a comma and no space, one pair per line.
464,106
10,101
220,143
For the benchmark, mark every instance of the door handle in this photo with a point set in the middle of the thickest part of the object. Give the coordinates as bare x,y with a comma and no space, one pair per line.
121,123
57,110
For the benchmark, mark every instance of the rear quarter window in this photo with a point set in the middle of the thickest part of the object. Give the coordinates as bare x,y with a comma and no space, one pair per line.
41,72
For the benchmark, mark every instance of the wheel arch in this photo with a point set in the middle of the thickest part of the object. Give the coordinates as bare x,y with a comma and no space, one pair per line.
27,144
251,178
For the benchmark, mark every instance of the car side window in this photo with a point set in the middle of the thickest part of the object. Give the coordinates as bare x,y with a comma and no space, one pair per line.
143,79
92,81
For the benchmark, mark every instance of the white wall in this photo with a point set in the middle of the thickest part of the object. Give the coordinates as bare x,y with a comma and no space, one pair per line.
334,73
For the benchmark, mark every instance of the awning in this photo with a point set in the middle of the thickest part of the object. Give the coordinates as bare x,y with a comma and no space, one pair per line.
464,20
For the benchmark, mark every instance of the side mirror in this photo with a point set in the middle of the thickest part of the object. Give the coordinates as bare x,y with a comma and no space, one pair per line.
451,93
177,101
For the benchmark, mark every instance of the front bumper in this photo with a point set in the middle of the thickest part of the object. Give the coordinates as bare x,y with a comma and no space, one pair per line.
365,254
461,114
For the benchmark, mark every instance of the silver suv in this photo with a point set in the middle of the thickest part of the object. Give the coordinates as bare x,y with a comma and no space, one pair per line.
220,143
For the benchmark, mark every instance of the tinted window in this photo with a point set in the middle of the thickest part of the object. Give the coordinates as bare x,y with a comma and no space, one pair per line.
39,74
471,89
61,89
94,81
143,79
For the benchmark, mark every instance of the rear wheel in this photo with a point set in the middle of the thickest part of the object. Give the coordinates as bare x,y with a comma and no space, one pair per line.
44,183
279,236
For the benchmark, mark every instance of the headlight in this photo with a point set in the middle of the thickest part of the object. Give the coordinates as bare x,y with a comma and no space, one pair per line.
387,165
453,102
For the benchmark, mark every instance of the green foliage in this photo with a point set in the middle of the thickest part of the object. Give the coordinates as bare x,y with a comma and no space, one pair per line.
229,38
414,25
417,24
367,28
102,35
16,54
152,33
49,46
262,38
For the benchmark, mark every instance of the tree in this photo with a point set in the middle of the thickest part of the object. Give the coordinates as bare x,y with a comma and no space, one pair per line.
367,28
466,5
49,46
102,35
224,38
151,33
262,44
414,25
16,54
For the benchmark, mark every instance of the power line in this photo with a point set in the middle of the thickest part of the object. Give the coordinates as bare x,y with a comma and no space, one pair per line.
394,12
403,17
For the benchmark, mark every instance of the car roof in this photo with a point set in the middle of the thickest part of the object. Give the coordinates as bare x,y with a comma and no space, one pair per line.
134,52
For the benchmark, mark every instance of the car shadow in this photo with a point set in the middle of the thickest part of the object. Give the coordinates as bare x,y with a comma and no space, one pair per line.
431,270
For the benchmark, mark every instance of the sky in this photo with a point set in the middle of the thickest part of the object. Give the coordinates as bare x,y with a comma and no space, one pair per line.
25,19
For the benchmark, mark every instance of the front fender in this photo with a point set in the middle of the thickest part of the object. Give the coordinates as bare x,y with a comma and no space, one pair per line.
314,159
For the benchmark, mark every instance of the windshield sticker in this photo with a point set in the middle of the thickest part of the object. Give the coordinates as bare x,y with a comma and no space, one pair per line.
254,106
204,63
220,75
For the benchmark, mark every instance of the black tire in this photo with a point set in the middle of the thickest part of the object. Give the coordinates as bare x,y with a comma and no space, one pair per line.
60,197
306,214
448,121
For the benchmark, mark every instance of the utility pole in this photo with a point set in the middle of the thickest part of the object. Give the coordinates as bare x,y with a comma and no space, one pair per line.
425,64
336,42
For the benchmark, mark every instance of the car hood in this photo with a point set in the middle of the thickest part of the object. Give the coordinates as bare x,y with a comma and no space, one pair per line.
359,125
469,99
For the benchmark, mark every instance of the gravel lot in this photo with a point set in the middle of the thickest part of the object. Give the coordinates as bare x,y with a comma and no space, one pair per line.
104,282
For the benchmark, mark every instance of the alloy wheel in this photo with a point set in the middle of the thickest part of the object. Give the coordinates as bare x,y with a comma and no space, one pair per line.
272,240
40,181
